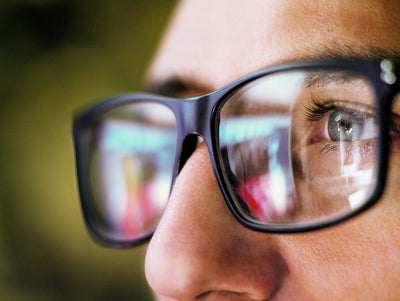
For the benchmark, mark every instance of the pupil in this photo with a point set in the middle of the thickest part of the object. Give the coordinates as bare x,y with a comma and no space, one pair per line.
346,126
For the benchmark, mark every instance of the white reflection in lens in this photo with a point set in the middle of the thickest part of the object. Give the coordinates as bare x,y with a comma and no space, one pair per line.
356,177
357,198
279,192
364,179
277,88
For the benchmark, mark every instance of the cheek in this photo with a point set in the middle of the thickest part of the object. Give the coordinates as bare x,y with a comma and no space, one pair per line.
349,262
360,257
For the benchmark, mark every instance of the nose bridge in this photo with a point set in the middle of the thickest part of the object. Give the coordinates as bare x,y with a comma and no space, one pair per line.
195,115
194,120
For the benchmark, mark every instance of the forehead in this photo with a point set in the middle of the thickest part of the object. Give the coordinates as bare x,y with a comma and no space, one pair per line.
212,42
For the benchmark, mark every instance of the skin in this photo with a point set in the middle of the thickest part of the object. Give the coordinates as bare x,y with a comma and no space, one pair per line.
199,251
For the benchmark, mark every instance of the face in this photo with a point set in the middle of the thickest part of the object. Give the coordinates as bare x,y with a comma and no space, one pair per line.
199,251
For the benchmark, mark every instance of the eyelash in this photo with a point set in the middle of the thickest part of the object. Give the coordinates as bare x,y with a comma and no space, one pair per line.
394,129
318,109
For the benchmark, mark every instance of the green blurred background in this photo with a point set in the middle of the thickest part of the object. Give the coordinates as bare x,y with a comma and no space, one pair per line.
57,56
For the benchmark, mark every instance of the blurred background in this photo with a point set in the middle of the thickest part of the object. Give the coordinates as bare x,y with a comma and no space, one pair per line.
55,57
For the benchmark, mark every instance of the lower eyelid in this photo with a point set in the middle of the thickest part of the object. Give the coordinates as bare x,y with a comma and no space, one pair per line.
348,148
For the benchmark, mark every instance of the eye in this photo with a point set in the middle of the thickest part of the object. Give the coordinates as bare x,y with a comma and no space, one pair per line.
347,125
341,122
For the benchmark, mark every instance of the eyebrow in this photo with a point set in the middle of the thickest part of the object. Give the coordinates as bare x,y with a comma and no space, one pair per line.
349,52
320,78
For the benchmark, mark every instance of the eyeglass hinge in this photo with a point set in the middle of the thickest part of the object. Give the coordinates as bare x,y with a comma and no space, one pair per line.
388,72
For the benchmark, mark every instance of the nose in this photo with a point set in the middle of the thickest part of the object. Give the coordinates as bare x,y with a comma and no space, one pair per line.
199,251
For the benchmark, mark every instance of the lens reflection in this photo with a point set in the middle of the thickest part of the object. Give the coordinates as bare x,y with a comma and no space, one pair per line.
300,146
133,150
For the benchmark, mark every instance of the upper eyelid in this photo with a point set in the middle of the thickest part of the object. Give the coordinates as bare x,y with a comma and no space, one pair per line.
317,110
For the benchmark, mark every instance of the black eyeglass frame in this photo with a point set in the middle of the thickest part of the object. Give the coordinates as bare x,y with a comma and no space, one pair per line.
198,116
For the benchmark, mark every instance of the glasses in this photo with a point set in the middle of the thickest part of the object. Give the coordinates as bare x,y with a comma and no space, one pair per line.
294,148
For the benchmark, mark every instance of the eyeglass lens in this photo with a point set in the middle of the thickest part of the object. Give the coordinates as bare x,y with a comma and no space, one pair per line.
294,146
300,146
133,152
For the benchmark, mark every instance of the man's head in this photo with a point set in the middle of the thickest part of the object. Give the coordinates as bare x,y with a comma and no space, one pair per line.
284,149
199,250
